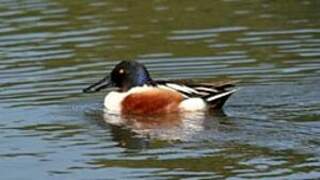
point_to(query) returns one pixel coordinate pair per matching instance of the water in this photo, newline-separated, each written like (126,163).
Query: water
(50,50)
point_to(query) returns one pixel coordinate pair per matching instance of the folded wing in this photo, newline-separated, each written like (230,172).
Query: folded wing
(214,94)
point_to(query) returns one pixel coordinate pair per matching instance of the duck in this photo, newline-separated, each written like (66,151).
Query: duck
(137,93)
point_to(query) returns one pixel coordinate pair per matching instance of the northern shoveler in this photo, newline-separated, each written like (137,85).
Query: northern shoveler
(139,94)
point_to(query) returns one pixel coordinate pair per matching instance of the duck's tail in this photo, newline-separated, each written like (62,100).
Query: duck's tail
(217,100)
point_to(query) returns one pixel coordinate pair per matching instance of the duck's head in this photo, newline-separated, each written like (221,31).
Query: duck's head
(125,75)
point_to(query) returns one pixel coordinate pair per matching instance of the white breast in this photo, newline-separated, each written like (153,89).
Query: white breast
(113,100)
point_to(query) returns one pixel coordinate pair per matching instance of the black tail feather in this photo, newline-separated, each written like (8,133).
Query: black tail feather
(218,103)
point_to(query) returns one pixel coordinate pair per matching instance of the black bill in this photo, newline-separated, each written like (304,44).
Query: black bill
(102,84)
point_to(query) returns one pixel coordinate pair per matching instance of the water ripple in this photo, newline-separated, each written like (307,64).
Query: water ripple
(51,50)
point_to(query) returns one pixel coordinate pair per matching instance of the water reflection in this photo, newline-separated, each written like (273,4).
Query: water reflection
(170,127)
(50,50)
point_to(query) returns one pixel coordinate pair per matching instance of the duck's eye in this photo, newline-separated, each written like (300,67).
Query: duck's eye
(121,71)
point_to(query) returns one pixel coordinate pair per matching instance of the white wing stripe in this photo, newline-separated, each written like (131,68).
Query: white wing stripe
(220,95)
(171,89)
(186,89)
(181,88)
(206,89)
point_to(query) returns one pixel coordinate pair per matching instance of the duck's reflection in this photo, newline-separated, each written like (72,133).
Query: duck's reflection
(131,130)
